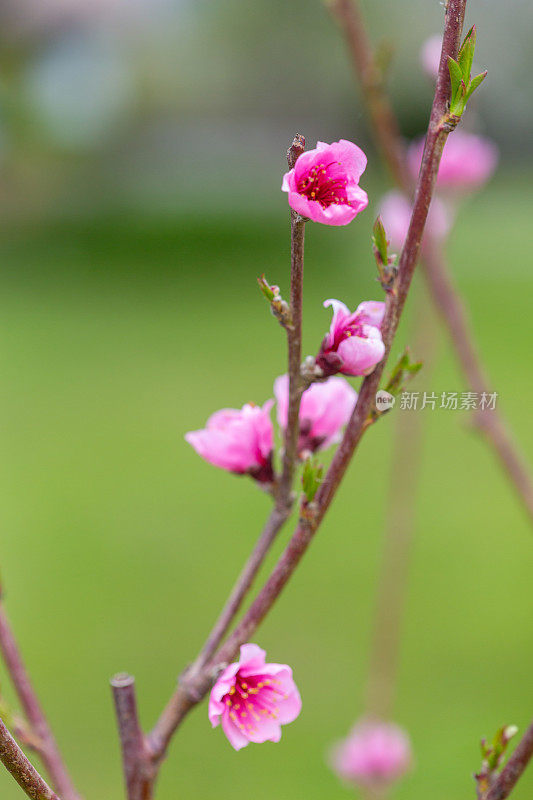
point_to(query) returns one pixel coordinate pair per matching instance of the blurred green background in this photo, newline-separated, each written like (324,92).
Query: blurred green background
(140,200)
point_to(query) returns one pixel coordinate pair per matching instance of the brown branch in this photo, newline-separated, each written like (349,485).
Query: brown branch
(190,692)
(275,522)
(43,738)
(21,769)
(350,19)
(397,540)
(489,421)
(283,490)
(157,741)
(510,774)
(442,290)
(137,764)
(294,338)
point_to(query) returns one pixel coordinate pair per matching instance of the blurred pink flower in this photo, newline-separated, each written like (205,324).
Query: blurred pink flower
(468,161)
(373,754)
(430,55)
(395,211)
(353,345)
(239,440)
(324,410)
(253,699)
(324,184)
(33,15)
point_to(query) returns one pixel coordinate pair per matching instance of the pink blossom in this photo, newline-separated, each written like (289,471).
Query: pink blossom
(395,211)
(324,184)
(239,440)
(430,55)
(253,699)
(373,754)
(353,345)
(324,410)
(468,161)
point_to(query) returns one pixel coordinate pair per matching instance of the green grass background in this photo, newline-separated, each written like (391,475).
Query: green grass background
(118,544)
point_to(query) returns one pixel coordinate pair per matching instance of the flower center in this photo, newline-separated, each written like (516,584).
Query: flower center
(353,328)
(252,699)
(317,185)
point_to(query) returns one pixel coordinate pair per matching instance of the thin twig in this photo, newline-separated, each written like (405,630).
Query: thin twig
(139,773)
(21,769)
(441,287)
(189,693)
(510,774)
(42,734)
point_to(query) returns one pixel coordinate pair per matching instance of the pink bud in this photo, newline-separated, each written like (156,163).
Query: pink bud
(353,345)
(324,184)
(468,161)
(373,754)
(253,699)
(395,211)
(238,440)
(324,410)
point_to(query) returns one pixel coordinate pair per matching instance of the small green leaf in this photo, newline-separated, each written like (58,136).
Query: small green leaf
(466,53)
(456,75)
(311,478)
(268,290)
(402,372)
(379,240)
(474,83)
(458,102)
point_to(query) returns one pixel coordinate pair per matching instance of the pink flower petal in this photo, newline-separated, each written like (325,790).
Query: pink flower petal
(252,657)
(371,312)
(360,355)
(268,731)
(235,737)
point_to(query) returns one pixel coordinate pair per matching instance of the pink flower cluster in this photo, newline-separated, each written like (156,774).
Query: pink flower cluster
(324,184)
(252,699)
(242,440)
(374,754)
(468,161)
